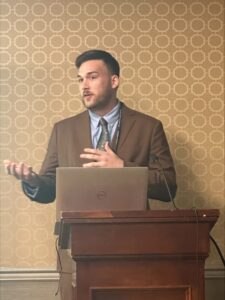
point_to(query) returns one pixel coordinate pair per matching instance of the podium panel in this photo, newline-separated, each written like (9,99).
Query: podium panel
(144,293)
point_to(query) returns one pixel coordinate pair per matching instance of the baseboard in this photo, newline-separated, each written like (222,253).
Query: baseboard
(16,274)
(215,273)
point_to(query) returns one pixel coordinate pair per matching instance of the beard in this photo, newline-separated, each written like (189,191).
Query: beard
(99,103)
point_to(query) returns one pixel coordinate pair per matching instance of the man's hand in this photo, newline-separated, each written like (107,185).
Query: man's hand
(21,171)
(102,159)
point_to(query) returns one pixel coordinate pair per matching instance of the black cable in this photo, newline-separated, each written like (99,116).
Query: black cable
(60,266)
(167,187)
(212,239)
(197,249)
(218,249)
(155,159)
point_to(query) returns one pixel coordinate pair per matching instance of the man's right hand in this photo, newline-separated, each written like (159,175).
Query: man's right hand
(21,171)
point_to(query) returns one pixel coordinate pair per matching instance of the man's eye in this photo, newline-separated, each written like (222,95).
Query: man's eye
(80,80)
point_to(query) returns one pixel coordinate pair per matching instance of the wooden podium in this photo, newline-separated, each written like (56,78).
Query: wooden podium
(141,255)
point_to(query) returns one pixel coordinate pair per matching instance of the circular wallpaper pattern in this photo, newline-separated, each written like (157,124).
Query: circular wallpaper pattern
(171,54)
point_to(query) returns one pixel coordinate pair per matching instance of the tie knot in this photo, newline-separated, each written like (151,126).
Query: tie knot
(103,123)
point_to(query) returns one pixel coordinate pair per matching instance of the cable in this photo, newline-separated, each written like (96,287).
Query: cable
(155,158)
(167,187)
(197,248)
(213,240)
(218,249)
(60,266)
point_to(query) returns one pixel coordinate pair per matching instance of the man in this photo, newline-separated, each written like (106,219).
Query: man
(135,139)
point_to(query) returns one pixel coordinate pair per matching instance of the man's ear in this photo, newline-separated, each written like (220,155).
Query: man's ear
(115,81)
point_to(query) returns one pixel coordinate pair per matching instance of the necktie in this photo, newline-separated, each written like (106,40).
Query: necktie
(104,137)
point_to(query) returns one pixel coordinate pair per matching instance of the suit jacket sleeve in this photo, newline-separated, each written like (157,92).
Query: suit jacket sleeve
(45,191)
(160,148)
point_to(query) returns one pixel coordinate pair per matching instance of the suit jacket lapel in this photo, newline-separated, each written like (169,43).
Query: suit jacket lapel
(127,122)
(85,131)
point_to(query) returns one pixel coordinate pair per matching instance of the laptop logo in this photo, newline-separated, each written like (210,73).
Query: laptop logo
(101,195)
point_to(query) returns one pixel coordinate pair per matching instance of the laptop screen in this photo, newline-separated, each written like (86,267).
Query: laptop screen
(88,189)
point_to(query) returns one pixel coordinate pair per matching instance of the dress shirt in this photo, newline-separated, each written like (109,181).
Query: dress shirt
(112,119)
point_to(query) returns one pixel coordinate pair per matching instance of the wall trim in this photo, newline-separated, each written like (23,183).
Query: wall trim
(215,273)
(19,274)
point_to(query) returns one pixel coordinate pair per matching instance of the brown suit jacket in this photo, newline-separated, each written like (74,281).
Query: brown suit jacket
(141,137)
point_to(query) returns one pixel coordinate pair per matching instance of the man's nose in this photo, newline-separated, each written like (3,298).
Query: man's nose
(85,84)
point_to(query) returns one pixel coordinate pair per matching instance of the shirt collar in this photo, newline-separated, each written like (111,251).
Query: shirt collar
(111,117)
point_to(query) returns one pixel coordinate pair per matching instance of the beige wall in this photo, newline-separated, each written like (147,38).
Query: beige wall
(172,59)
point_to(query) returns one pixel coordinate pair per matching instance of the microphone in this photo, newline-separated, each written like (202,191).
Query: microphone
(155,158)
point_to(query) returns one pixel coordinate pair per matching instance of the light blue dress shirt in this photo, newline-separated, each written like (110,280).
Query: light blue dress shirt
(112,118)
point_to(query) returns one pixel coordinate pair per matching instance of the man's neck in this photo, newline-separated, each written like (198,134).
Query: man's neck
(103,111)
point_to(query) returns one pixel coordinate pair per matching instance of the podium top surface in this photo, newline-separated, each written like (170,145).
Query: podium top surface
(143,231)
(152,216)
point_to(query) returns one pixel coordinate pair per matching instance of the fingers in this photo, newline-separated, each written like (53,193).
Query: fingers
(13,169)
(19,170)
(23,171)
(92,154)
(101,159)
(93,164)
(107,148)
(96,157)
(93,151)
(6,163)
(10,167)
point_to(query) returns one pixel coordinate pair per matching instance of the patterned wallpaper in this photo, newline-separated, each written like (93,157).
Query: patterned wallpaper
(172,59)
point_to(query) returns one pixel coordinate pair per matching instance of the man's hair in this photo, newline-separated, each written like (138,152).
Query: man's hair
(106,57)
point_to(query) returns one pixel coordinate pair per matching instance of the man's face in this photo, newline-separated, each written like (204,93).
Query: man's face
(97,85)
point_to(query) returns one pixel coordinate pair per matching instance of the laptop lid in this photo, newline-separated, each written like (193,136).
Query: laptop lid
(80,189)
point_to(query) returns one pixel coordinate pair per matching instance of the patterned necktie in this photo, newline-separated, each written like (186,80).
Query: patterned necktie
(104,137)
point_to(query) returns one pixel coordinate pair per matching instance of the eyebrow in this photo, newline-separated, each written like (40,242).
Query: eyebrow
(88,74)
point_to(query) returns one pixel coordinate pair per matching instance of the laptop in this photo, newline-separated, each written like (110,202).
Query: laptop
(94,189)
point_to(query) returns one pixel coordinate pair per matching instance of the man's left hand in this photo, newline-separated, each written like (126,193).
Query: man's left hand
(102,159)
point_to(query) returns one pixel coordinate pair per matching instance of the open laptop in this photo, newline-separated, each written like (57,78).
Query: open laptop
(92,189)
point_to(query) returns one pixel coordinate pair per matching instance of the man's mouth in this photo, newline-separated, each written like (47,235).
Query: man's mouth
(86,94)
